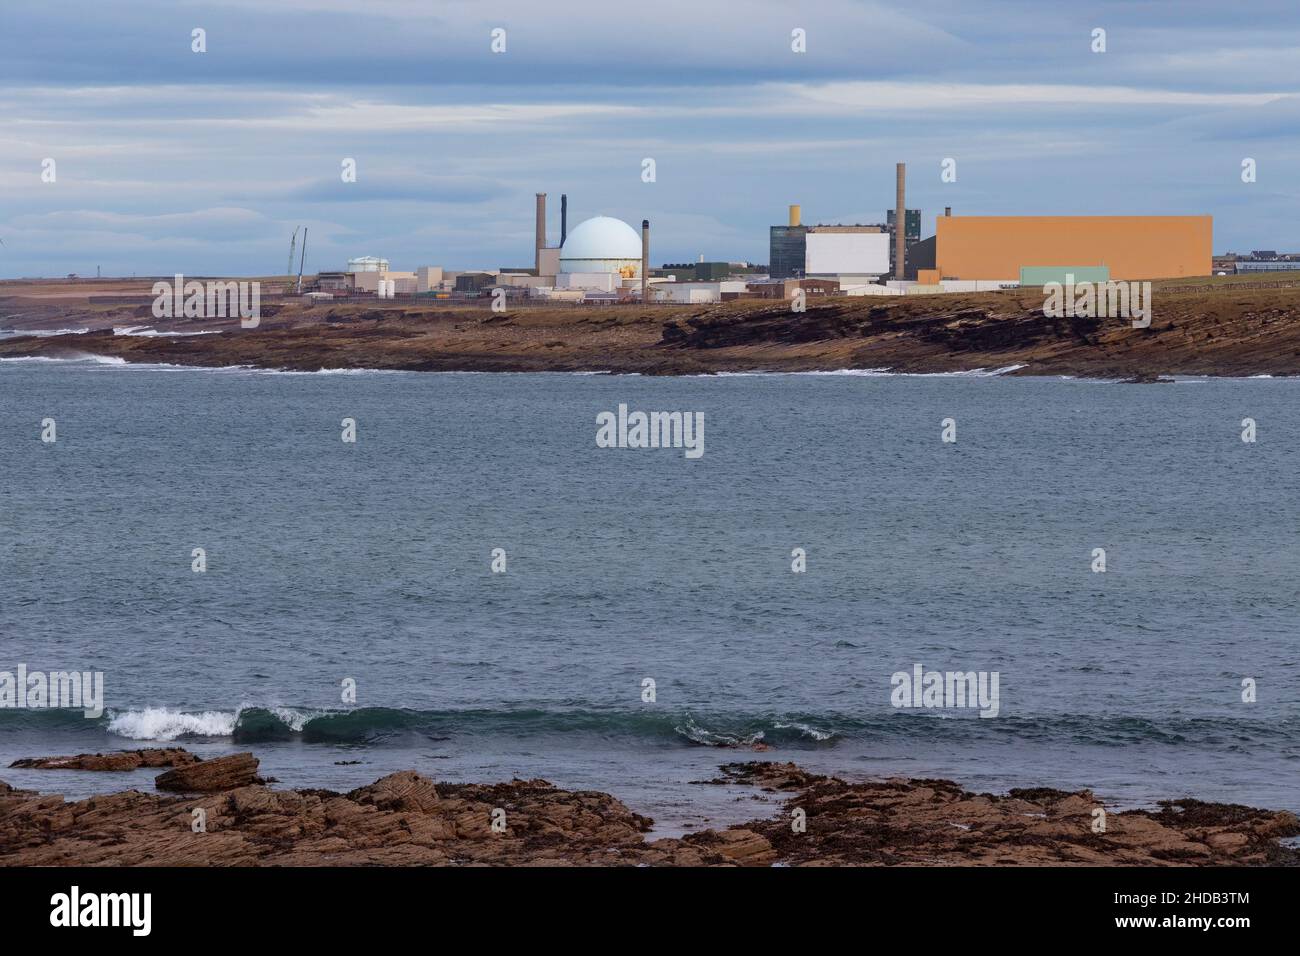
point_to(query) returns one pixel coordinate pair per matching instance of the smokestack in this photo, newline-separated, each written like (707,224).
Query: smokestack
(900,228)
(794,214)
(564,217)
(541,232)
(645,259)
(947,211)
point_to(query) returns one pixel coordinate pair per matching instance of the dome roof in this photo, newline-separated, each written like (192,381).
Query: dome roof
(602,237)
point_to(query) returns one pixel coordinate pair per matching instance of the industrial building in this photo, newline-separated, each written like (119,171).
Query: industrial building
(787,248)
(847,253)
(996,248)
(604,259)
(697,292)
(602,244)
(978,253)
(1260,260)
(706,271)
(851,254)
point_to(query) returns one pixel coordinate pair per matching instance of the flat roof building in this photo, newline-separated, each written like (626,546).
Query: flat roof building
(1132,247)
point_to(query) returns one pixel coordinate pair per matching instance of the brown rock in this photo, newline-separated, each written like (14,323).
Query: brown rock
(1207,326)
(404,819)
(221,773)
(118,760)
(406,790)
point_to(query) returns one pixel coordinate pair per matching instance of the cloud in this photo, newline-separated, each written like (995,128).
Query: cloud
(376,187)
(206,162)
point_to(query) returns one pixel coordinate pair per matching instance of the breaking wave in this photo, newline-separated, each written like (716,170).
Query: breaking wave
(652,727)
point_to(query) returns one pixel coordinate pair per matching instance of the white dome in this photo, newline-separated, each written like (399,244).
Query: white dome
(600,244)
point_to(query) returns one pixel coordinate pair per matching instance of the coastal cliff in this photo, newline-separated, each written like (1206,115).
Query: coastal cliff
(1199,327)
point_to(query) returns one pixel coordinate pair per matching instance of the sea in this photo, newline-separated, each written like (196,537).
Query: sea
(477,590)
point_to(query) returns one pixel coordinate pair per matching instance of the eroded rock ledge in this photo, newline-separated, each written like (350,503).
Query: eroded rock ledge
(406,819)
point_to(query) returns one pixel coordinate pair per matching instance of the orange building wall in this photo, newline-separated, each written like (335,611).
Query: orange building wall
(1134,247)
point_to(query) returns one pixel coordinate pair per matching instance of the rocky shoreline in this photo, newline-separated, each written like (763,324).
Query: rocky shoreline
(1219,327)
(227,816)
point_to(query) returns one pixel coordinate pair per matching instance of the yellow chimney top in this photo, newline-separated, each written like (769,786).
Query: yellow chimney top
(794,214)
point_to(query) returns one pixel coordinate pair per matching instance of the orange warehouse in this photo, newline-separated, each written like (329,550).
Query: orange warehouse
(1132,247)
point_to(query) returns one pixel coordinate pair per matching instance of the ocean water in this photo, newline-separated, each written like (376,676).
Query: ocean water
(371,561)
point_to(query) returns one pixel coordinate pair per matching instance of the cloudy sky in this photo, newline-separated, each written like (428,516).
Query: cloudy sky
(170,161)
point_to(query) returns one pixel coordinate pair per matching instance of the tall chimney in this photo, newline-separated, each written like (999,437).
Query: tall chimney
(541,232)
(900,227)
(794,214)
(564,217)
(947,211)
(645,259)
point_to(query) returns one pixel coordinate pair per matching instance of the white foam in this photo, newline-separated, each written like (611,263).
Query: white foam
(872,373)
(39,333)
(144,331)
(805,729)
(293,718)
(67,359)
(159,723)
(336,371)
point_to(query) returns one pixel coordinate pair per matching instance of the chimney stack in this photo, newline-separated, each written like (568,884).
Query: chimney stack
(900,225)
(541,232)
(947,211)
(645,260)
(564,217)
(795,212)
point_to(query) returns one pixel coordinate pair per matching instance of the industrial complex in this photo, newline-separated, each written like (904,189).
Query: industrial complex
(606,260)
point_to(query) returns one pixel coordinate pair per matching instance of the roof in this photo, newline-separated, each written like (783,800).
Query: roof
(601,237)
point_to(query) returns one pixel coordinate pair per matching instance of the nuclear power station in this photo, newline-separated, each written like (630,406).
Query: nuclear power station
(604,260)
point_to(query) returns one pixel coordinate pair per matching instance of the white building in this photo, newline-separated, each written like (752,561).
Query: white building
(602,244)
(695,292)
(595,281)
(854,254)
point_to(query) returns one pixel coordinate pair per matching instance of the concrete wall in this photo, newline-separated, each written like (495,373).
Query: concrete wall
(428,278)
(852,253)
(369,281)
(1042,275)
(869,289)
(550,262)
(599,281)
(1133,247)
(973,285)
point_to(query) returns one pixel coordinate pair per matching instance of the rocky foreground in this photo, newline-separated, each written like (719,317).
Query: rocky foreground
(1234,325)
(405,819)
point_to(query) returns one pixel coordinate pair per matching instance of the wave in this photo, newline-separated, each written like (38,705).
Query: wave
(84,358)
(870,373)
(39,333)
(653,726)
(68,359)
(145,331)
(159,723)
(375,725)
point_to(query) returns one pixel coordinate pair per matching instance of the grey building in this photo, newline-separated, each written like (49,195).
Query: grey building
(787,251)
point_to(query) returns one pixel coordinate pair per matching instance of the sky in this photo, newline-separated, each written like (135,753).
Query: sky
(168,160)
